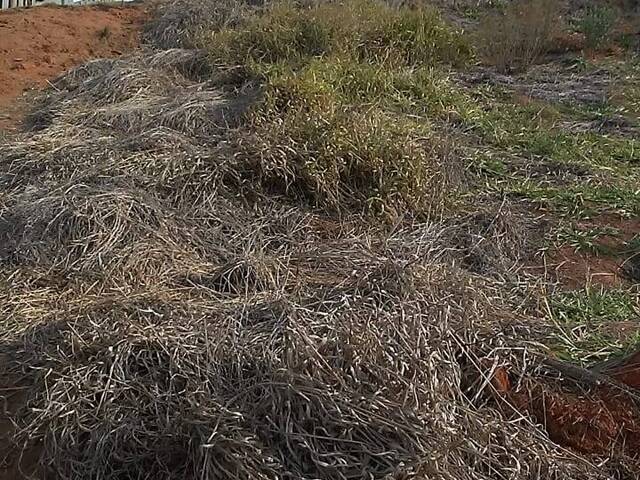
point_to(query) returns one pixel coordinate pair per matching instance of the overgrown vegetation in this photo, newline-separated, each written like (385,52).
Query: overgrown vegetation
(514,37)
(304,249)
(343,83)
(596,24)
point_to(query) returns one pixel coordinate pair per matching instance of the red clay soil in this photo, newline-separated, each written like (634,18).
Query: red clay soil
(577,269)
(37,44)
(598,420)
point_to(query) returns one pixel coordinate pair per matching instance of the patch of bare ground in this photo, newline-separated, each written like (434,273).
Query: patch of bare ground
(40,43)
(586,411)
(610,261)
(550,82)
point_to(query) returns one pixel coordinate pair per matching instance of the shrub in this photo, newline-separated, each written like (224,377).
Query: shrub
(596,25)
(515,37)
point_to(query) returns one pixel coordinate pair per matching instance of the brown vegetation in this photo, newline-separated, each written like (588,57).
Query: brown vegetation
(285,254)
(516,37)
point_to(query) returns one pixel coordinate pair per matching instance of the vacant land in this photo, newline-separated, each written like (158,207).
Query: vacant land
(331,241)
(39,44)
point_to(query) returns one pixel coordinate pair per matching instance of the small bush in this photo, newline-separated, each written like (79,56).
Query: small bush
(104,33)
(515,37)
(596,25)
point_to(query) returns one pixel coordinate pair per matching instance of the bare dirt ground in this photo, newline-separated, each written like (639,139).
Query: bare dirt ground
(37,44)
(613,266)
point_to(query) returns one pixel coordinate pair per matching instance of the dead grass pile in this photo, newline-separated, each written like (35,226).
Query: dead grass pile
(172,317)
(490,241)
(176,24)
(360,376)
(138,94)
(110,229)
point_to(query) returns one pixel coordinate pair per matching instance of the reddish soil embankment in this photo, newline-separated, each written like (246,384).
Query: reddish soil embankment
(37,44)
(586,414)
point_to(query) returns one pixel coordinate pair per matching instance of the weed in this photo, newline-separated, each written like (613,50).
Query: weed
(343,84)
(590,324)
(587,240)
(596,25)
(104,33)
(513,38)
(581,200)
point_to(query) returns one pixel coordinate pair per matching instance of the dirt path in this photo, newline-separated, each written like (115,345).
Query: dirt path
(37,44)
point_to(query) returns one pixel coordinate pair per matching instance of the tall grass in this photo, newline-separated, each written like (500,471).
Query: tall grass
(515,37)
(365,30)
(343,85)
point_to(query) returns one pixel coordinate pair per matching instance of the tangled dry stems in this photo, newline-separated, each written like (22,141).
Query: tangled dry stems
(174,319)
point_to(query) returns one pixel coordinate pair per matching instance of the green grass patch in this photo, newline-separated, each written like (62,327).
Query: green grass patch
(588,240)
(536,130)
(581,200)
(595,325)
(365,31)
(351,92)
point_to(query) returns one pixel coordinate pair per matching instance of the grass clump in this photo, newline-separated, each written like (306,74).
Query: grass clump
(594,324)
(366,31)
(596,25)
(581,200)
(514,37)
(343,87)
(308,144)
(588,240)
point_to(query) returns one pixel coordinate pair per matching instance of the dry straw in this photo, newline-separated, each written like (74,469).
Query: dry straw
(171,319)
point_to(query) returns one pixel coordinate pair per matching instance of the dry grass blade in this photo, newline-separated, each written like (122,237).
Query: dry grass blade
(177,312)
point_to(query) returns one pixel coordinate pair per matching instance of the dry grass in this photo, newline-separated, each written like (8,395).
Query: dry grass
(515,37)
(173,317)
(176,24)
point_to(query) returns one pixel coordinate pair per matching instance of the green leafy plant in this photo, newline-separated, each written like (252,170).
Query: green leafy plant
(596,25)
